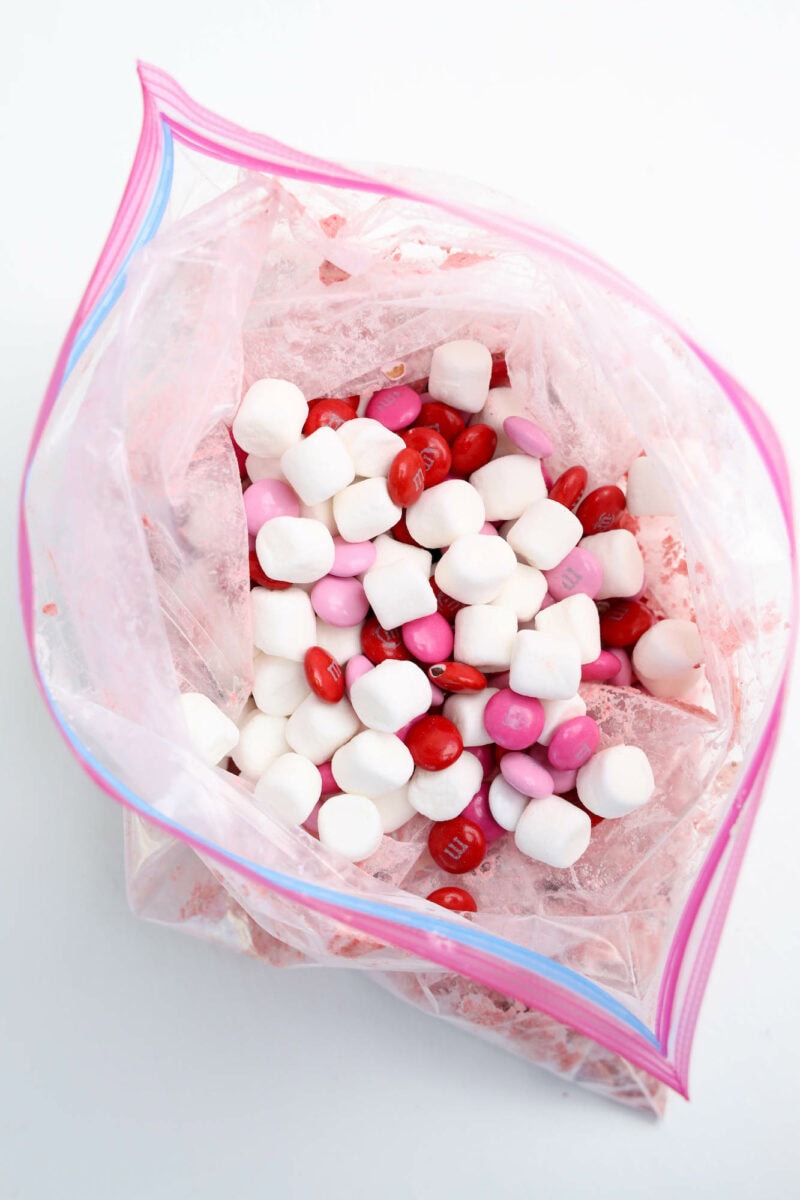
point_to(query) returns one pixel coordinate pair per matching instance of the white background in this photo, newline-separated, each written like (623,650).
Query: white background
(137,1063)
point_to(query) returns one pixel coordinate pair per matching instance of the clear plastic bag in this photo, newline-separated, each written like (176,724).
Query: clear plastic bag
(233,257)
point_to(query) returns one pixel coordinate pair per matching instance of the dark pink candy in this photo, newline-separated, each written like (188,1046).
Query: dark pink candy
(573,743)
(485,756)
(478,812)
(563,781)
(604,667)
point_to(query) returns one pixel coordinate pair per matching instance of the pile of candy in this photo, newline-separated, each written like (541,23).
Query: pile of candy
(426,603)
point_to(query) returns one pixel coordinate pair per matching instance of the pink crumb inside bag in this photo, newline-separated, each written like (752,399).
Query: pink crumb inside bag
(234,258)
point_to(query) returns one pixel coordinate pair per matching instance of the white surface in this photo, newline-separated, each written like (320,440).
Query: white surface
(137,1063)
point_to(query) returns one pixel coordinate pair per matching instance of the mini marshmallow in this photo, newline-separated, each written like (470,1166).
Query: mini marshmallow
(576,617)
(645,494)
(545,534)
(466,710)
(395,809)
(389,550)
(616,781)
(371,446)
(509,485)
(445,512)
(668,658)
(556,712)
(441,795)
(619,555)
(322,512)
(212,735)
(262,739)
(484,636)
(350,826)
(279,684)
(390,695)
(296,549)
(372,764)
(500,404)
(523,592)
(553,831)
(460,373)
(289,788)
(270,418)
(342,642)
(319,466)
(364,509)
(317,728)
(506,804)
(475,569)
(283,622)
(258,468)
(544,665)
(398,593)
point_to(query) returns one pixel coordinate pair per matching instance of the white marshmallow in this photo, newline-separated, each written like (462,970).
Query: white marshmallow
(506,804)
(389,550)
(296,549)
(398,593)
(576,617)
(646,495)
(270,418)
(322,512)
(262,468)
(545,533)
(440,795)
(390,695)
(341,641)
(395,809)
(553,831)
(545,665)
(350,826)
(668,658)
(500,404)
(371,446)
(460,374)
(616,781)
(509,485)
(279,684)
(484,636)
(283,622)
(317,729)
(364,509)
(619,555)
(372,764)
(556,712)
(523,592)
(289,788)
(475,568)
(212,735)
(319,466)
(466,711)
(445,512)
(262,739)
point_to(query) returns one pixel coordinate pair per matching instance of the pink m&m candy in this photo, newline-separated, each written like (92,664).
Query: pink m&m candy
(351,558)
(357,666)
(604,667)
(513,721)
(580,571)
(528,437)
(329,784)
(395,407)
(573,743)
(266,499)
(341,602)
(429,639)
(479,813)
(624,676)
(526,775)
(488,530)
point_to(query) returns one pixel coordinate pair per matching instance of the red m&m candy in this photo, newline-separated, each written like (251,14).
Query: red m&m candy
(434,743)
(259,576)
(457,677)
(568,488)
(624,622)
(434,452)
(473,448)
(328,412)
(440,417)
(601,509)
(379,644)
(457,845)
(406,479)
(325,676)
(454,898)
